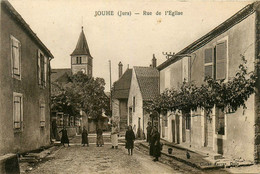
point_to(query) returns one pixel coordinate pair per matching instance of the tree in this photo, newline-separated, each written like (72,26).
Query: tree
(81,93)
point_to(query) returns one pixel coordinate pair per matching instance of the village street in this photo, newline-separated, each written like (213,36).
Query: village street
(92,159)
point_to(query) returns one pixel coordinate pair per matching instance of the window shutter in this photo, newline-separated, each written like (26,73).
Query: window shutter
(17,112)
(208,63)
(42,115)
(39,68)
(221,60)
(16,56)
(45,70)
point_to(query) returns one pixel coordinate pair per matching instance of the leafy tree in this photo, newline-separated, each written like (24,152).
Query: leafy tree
(81,92)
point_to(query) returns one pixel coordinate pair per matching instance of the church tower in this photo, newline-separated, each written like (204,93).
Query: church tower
(81,60)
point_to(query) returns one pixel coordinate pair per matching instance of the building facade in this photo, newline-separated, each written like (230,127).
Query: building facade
(217,54)
(119,99)
(144,88)
(24,85)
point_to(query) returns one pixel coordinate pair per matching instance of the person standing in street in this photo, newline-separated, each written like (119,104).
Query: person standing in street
(84,136)
(100,141)
(64,137)
(148,130)
(130,137)
(114,135)
(155,144)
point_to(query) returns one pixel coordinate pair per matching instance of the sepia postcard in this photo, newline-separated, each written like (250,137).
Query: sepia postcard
(131,86)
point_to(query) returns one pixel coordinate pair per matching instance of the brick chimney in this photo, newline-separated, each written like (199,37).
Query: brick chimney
(154,61)
(120,69)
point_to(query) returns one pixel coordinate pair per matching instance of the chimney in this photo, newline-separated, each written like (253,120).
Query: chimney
(154,61)
(120,69)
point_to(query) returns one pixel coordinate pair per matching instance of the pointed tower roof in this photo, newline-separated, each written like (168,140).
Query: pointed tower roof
(82,46)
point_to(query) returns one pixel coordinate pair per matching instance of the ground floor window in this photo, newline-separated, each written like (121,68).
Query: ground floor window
(187,120)
(220,122)
(42,115)
(17,111)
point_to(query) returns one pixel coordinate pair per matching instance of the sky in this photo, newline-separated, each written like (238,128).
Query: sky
(130,39)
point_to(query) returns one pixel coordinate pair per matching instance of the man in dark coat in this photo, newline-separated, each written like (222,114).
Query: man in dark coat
(64,137)
(84,137)
(149,130)
(155,144)
(129,137)
(100,141)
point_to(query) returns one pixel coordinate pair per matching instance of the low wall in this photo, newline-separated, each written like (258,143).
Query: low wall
(9,164)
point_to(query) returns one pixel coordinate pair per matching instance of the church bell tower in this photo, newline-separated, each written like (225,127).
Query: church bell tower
(81,60)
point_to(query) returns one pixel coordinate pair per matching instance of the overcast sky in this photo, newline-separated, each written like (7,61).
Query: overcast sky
(129,39)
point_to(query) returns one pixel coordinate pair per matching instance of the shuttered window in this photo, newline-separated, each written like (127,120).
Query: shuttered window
(42,69)
(45,70)
(16,57)
(209,63)
(133,104)
(221,60)
(17,111)
(42,115)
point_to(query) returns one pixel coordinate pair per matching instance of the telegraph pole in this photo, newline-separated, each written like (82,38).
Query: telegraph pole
(110,86)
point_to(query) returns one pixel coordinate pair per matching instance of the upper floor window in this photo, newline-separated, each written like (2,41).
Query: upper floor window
(215,61)
(42,68)
(16,58)
(17,111)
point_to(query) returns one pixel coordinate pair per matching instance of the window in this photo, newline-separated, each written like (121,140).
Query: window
(221,60)
(215,61)
(187,120)
(133,104)
(42,115)
(220,122)
(17,111)
(165,119)
(208,63)
(78,60)
(16,58)
(42,69)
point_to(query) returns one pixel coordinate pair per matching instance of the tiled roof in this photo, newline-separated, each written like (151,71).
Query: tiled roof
(148,80)
(223,27)
(82,46)
(60,75)
(23,24)
(121,86)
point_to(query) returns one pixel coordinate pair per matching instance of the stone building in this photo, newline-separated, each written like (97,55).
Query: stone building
(24,85)
(144,88)
(120,95)
(217,54)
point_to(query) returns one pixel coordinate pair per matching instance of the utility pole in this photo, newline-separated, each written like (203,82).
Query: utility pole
(110,86)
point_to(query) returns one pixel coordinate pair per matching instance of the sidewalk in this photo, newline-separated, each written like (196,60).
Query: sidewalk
(198,160)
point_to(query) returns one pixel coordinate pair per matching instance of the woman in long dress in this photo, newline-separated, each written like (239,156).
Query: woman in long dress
(100,141)
(114,136)
(130,137)
(84,137)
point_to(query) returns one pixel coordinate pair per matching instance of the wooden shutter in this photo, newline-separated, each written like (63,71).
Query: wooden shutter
(45,70)
(17,112)
(42,115)
(208,63)
(39,68)
(16,47)
(221,60)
